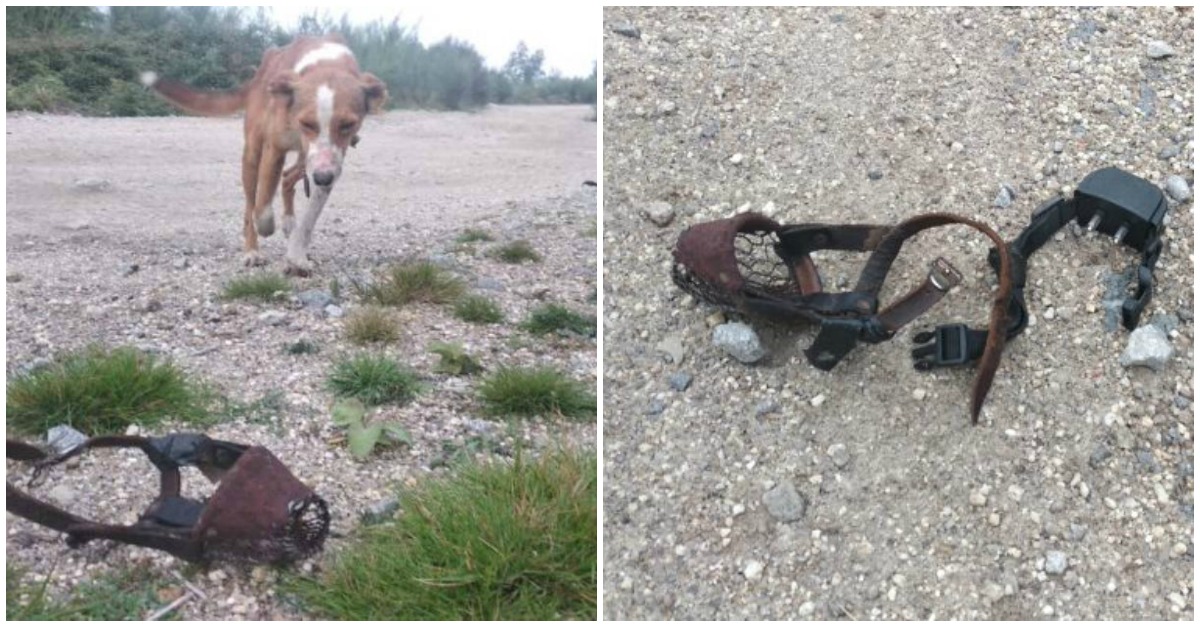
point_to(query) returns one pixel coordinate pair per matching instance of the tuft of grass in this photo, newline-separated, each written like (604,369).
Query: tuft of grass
(478,309)
(454,359)
(302,347)
(127,595)
(100,391)
(516,252)
(264,287)
(474,235)
(374,380)
(416,281)
(493,542)
(371,325)
(552,318)
(535,392)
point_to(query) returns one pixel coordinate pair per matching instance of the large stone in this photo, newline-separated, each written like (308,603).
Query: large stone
(740,341)
(784,502)
(1148,347)
(64,438)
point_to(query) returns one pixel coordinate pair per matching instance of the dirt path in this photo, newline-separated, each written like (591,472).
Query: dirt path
(89,199)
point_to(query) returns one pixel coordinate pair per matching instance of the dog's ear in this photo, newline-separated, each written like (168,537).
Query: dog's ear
(375,92)
(283,84)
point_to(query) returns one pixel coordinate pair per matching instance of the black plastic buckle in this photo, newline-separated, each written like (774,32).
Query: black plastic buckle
(947,345)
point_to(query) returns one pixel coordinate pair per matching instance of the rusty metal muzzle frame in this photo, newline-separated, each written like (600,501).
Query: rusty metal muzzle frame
(259,513)
(729,263)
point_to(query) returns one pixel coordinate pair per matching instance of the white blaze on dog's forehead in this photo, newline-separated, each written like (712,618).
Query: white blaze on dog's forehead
(327,52)
(325,109)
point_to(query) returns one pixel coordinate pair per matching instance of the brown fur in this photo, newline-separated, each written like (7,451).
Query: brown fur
(282,116)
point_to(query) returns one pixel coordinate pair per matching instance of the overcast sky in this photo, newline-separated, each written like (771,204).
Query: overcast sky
(568,33)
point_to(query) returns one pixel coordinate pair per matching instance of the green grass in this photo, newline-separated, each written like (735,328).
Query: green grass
(263,287)
(128,595)
(371,325)
(516,252)
(478,309)
(493,542)
(536,392)
(474,235)
(374,380)
(553,318)
(416,281)
(100,391)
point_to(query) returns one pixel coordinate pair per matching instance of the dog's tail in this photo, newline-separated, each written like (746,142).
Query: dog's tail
(200,102)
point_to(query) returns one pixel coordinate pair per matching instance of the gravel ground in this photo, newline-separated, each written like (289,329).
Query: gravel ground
(775,490)
(89,199)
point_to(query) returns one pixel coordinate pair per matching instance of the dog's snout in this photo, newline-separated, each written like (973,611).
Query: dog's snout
(324,179)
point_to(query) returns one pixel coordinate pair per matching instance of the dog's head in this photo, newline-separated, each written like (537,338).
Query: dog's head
(327,107)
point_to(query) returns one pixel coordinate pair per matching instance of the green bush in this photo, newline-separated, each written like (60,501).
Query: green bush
(535,392)
(478,309)
(101,391)
(374,380)
(416,281)
(263,287)
(552,318)
(371,325)
(493,542)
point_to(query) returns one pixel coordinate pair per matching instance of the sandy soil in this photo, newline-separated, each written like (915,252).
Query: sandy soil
(1073,497)
(87,199)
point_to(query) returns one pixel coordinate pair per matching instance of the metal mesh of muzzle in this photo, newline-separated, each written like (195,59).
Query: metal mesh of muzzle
(762,272)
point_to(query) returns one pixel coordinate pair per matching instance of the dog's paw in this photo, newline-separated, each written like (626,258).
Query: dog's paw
(265,223)
(289,222)
(299,268)
(253,258)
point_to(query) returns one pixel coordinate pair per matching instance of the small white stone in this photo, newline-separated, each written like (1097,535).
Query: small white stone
(738,509)
(817,400)
(626,583)
(752,570)
(1049,314)
(737,158)
(919,394)
(807,608)
(978,499)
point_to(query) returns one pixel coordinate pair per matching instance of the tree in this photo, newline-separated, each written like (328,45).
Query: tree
(524,66)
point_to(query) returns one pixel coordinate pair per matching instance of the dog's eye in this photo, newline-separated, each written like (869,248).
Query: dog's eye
(347,127)
(309,126)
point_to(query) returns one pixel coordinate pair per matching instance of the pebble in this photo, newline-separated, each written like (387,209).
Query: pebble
(62,495)
(784,502)
(315,299)
(333,311)
(874,174)
(1056,562)
(1059,146)
(666,108)
(768,406)
(660,213)
(1148,348)
(807,608)
(273,318)
(753,570)
(627,29)
(817,400)
(1159,50)
(1177,187)
(680,381)
(129,269)
(180,264)
(740,341)
(839,454)
(655,407)
(92,184)
(63,438)
(1005,196)
(919,394)
(671,346)
(1077,532)
(977,499)
(737,158)
(1177,600)
(1170,152)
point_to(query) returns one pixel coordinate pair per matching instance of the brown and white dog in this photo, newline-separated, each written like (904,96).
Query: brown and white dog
(308,97)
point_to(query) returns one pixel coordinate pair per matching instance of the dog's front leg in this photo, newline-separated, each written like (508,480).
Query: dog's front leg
(301,236)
